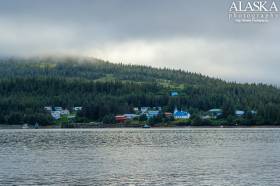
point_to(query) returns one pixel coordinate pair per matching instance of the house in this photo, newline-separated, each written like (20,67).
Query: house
(214,113)
(130,116)
(77,108)
(144,109)
(58,108)
(206,117)
(64,112)
(168,114)
(152,113)
(174,93)
(156,108)
(239,113)
(48,108)
(135,109)
(71,116)
(181,114)
(120,118)
(55,114)
(253,112)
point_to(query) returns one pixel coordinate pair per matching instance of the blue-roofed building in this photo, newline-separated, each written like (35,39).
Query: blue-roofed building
(174,93)
(181,114)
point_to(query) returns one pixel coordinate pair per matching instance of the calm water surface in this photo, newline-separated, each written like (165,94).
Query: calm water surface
(140,157)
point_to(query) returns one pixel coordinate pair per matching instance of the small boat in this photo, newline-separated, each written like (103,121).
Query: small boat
(146,126)
(25,126)
(36,126)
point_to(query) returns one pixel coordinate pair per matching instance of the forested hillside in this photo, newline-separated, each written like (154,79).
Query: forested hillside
(103,88)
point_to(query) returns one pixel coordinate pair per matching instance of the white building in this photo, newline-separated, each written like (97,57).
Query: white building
(144,109)
(58,108)
(48,108)
(239,113)
(64,112)
(131,116)
(56,114)
(77,108)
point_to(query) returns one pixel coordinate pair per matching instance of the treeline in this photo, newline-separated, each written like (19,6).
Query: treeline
(104,89)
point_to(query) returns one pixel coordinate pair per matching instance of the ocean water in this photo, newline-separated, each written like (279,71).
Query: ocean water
(179,156)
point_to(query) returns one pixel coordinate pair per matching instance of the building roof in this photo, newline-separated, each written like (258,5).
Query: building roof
(152,112)
(215,110)
(174,93)
(181,113)
(239,112)
(253,111)
(168,113)
(120,116)
(131,115)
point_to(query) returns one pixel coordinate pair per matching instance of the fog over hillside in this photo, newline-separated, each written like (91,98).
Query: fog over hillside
(190,35)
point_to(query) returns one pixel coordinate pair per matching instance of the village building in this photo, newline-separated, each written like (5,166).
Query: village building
(136,109)
(168,114)
(56,114)
(174,93)
(253,112)
(156,108)
(152,113)
(131,116)
(206,117)
(77,108)
(239,113)
(58,108)
(144,109)
(48,108)
(64,112)
(120,118)
(181,114)
(214,113)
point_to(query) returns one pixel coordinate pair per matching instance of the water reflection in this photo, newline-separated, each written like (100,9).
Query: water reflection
(140,156)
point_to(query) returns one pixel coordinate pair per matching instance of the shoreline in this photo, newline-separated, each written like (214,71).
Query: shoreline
(156,127)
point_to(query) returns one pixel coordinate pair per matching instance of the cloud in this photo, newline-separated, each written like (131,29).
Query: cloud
(191,35)
(230,59)
(33,38)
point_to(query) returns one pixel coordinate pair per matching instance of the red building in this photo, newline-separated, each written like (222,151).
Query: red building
(120,118)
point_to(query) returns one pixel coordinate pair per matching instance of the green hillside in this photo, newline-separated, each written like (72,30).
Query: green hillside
(105,89)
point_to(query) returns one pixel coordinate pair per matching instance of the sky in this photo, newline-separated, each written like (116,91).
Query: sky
(191,35)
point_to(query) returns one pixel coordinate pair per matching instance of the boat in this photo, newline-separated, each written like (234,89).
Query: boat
(146,126)
(36,126)
(25,126)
